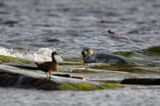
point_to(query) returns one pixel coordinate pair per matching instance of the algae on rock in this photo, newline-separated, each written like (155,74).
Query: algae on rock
(88,87)
(4,59)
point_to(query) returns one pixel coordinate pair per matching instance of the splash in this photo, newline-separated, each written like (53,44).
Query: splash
(42,54)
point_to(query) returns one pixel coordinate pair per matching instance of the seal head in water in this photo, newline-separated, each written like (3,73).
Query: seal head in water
(89,56)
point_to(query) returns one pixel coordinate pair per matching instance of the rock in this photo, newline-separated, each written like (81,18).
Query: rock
(141,81)
(38,83)
(8,79)
(20,78)
(21,81)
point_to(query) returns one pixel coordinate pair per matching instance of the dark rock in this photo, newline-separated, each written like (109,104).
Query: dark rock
(29,82)
(7,79)
(142,81)
(46,84)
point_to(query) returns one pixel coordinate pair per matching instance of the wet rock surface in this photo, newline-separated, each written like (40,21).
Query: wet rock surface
(141,81)
(20,78)
(8,79)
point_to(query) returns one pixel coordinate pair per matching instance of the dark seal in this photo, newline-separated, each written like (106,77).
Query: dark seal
(90,57)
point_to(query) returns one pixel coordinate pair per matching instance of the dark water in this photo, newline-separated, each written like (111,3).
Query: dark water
(70,25)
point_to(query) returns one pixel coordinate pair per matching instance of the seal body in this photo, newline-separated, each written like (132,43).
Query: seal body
(90,57)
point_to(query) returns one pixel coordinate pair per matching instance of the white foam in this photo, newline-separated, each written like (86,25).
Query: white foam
(42,54)
(4,51)
(58,58)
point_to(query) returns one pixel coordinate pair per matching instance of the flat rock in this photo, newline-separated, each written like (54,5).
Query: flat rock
(15,77)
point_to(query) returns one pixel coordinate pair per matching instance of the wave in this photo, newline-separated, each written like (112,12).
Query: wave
(42,54)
